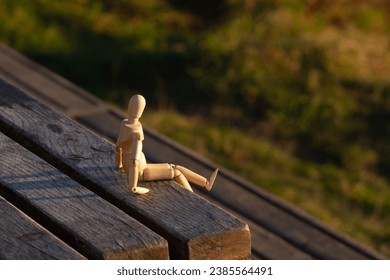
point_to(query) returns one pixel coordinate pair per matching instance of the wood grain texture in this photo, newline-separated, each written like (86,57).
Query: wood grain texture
(48,86)
(267,245)
(87,222)
(23,239)
(194,228)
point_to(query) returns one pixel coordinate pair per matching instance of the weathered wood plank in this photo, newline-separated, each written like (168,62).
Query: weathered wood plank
(84,220)
(103,123)
(267,245)
(194,227)
(48,86)
(23,239)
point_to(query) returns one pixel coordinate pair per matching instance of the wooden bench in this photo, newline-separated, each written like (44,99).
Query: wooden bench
(63,177)
(279,230)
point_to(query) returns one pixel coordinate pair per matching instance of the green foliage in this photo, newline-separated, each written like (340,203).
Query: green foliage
(306,79)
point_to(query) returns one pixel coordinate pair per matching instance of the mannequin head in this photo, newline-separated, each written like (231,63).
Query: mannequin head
(136,107)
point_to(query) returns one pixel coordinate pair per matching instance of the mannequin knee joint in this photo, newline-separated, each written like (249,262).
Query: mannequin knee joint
(176,172)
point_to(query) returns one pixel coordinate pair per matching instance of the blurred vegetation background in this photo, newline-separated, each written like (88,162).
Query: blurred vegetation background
(294,95)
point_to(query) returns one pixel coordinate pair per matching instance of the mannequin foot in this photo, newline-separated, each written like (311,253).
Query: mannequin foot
(209,184)
(139,190)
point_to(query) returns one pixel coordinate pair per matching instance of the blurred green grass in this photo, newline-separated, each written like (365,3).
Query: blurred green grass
(293,95)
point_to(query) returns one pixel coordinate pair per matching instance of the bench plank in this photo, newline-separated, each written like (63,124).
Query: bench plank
(22,238)
(267,245)
(81,218)
(48,86)
(194,228)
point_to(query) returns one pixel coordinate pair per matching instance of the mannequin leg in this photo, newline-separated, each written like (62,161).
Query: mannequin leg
(159,171)
(165,171)
(133,179)
(196,178)
(182,180)
(192,176)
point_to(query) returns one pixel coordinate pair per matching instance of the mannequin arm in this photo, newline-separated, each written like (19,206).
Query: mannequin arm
(118,157)
(133,176)
(118,146)
(136,151)
(136,148)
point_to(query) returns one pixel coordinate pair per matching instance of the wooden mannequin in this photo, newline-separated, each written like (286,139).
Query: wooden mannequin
(130,158)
